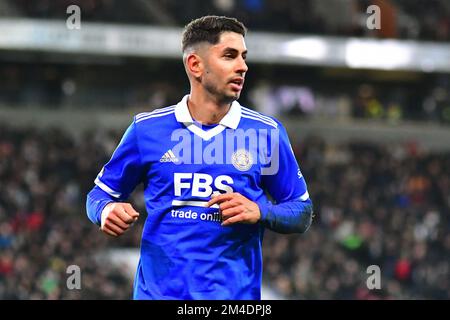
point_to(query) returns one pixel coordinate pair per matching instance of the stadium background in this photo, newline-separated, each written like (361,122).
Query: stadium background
(371,132)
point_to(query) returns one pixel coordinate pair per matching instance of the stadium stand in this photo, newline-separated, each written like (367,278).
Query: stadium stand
(382,203)
(405,19)
(300,92)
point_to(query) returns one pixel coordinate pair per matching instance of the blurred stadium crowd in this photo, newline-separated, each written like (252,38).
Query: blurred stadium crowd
(299,91)
(44,177)
(404,19)
(375,205)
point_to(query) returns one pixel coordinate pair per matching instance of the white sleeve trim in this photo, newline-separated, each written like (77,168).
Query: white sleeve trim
(305,196)
(107,189)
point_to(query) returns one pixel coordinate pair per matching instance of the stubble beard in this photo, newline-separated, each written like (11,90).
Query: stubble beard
(221,96)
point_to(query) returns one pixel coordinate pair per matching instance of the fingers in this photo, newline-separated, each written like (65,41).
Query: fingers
(234,219)
(117,218)
(229,204)
(220,198)
(114,229)
(108,231)
(130,210)
(235,207)
(124,216)
(118,221)
(228,213)
(125,212)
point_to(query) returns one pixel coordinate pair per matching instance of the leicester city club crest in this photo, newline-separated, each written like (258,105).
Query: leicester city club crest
(242,160)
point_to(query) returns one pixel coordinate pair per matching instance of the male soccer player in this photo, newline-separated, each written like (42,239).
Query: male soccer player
(207,164)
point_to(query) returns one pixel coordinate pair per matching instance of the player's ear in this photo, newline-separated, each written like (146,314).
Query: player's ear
(194,64)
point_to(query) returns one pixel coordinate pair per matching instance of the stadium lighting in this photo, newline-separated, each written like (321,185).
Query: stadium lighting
(388,55)
(311,48)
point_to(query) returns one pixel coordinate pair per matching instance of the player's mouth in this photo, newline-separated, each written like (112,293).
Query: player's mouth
(237,83)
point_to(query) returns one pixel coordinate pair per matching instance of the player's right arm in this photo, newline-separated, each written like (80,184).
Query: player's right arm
(114,218)
(106,203)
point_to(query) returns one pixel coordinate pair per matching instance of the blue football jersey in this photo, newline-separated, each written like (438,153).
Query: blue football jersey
(185,252)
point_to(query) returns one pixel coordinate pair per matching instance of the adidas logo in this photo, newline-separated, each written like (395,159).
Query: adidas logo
(168,157)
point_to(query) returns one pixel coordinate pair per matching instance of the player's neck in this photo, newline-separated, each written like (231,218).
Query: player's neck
(205,109)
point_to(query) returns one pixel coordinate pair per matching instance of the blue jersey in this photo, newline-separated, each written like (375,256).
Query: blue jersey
(185,251)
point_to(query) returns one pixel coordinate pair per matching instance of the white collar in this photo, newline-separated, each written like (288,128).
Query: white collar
(230,120)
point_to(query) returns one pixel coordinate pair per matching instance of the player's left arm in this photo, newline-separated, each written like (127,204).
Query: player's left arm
(293,208)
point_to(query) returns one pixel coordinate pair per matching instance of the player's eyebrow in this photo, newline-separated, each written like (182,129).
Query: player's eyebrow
(234,51)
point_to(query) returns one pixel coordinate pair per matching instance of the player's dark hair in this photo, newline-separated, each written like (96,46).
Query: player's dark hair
(209,28)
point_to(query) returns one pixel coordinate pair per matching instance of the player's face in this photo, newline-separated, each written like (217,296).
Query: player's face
(225,68)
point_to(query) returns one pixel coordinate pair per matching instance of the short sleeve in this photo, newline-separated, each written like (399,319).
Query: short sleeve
(123,172)
(282,178)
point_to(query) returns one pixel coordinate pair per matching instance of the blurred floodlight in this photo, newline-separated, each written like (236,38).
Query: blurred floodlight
(388,55)
(311,48)
(142,41)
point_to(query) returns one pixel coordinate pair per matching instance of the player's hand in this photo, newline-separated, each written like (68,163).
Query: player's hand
(236,208)
(117,217)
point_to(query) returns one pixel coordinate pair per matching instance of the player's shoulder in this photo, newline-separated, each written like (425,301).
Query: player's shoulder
(157,116)
(260,118)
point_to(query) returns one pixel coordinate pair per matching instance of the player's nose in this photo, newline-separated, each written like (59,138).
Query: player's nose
(242,67)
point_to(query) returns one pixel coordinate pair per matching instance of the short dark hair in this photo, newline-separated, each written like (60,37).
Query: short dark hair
(209,29)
